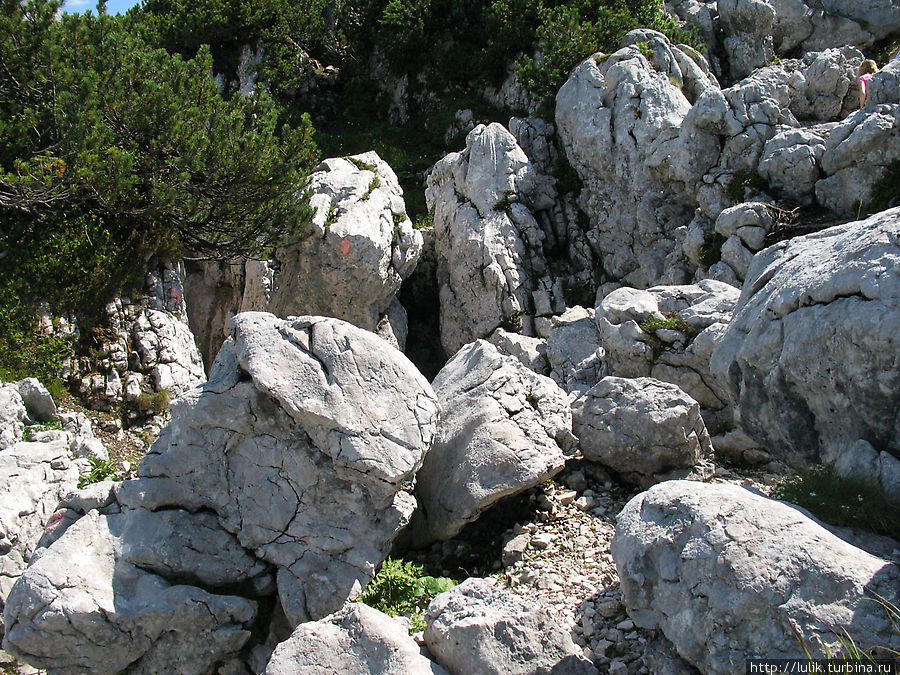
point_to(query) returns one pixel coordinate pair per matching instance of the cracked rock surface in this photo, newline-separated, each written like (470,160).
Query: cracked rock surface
(479,627)
(699,560)
(503,429)
(299,443)
(811,355)
(356,639)
(645,430)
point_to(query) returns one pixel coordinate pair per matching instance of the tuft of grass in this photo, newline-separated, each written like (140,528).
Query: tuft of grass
(841,501)
(376,183)
(400,588)
(672,321)
(885,191)
(156,402)
(100,470)
(424,221)
(332,216)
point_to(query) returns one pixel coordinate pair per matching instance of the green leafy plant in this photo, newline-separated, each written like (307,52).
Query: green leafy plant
(841,501)
(512,322)
(672,321)
(508,199)
(100,470)
(885,191)
(400,588)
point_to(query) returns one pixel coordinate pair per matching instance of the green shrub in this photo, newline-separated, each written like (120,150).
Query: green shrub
(361,165)
(100,470)
(841,501)
(743,181)
(399,588)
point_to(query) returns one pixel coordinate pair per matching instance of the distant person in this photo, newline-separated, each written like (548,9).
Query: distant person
(866,70)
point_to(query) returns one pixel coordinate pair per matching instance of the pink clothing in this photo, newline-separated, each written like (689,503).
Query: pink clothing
(863,81)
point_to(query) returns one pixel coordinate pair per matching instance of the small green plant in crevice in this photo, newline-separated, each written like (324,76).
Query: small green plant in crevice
(841,501)
(743,181)
(533,400)
(672,321)
(361,165)
(332,216)
(100,470)
(399,218)
(647,51)
(885,191)
(400,588)
(424,221)
(508,199)
(153,402)
(376,183)
(711,251)
(512,323)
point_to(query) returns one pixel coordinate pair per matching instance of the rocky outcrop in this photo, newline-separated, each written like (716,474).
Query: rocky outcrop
(356,639)
(141,345)
(810,356)
(283,473)
(618,117)
(492,269)
(669,333)
(697,560)
(359,247)
(747,34)
(645,430)
(478,627)
(503,428)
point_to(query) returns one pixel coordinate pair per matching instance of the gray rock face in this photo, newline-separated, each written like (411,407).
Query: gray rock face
(38,401)
(823,84)
(299,443)
(674,357)
(357,640)
(747,27)
(618,118)
(646,430)
(791,162)
(810,357)
(492,270)
(360,248)
(167,353)
(697,561)
(745,227)
(81,608)
(857,152)
(814,26)
(478,627)
(531,351)
(503,429)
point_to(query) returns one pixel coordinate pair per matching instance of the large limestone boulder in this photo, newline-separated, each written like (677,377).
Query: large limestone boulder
(82,607)
(492,270)
(645,430)
(618,117)
(810,356)
(503,429)
(698,315)
(477,627)
(728,574)
(300,443)
(575,350)
(360,247)
(747,34)
(355,640)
